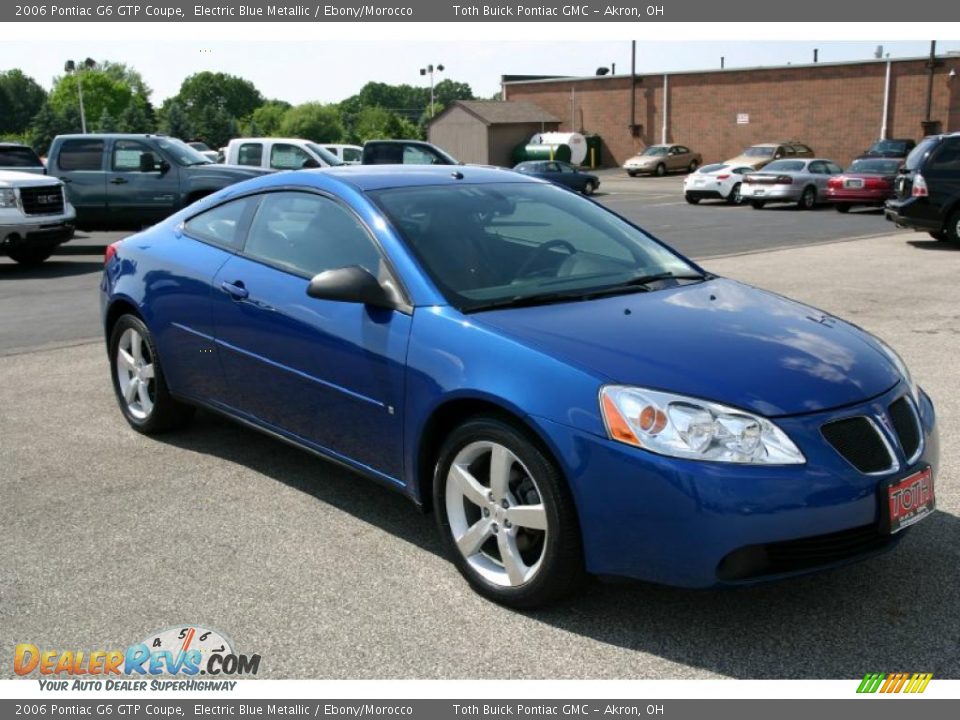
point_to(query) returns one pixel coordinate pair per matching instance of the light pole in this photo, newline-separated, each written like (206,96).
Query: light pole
(69,67)
(429,70)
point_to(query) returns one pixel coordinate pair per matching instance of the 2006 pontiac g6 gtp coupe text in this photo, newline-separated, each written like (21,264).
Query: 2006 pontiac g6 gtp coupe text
(566,393)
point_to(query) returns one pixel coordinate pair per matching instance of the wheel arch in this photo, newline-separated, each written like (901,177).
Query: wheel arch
(453,412)
(119,307)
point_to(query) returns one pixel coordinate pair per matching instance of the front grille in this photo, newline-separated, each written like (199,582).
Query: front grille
(42,200)
(905,423)
(858,440)
(792,556)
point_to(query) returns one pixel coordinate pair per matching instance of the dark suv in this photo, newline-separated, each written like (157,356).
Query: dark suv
(118,181)
(928,189)
(890,148)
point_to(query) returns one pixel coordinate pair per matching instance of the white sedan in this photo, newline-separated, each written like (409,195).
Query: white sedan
(715,182)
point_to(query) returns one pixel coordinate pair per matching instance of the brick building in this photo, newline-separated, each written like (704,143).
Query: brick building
(836,108)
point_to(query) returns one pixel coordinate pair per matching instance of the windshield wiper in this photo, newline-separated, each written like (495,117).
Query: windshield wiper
(634,284)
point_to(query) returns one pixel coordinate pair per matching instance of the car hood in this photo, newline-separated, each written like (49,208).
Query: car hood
(718,340)
(18,178)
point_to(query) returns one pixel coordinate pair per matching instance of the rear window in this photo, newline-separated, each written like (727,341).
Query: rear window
(919,153)
(874,167)
(19,157)
(81,155)
(716,167)
(785,166)
(250,154)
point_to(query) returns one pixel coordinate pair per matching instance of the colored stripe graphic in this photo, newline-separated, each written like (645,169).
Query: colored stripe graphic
(894,683)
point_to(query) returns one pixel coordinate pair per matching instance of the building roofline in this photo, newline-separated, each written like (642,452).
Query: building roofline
(795,66)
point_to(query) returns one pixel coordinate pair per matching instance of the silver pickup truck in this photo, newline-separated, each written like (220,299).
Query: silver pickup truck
(35,215)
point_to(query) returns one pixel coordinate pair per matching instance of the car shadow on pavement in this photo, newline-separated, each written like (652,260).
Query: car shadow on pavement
(49,269)
(931,244)
(896,612)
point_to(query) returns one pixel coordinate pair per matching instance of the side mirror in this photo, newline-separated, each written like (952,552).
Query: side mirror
(352,284)
(147,163)
(309,164)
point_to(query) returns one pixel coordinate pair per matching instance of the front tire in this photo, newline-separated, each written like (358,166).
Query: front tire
(138,380)
(29,256)
(661,170)
(589,188)
(506,516)
(693,166)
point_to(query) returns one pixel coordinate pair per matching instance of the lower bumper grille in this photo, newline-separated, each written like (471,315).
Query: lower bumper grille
(755,561)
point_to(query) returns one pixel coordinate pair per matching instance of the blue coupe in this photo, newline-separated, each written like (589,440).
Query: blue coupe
(566,393)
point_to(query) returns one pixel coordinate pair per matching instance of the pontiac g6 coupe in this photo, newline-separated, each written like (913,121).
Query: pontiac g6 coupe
(566,393)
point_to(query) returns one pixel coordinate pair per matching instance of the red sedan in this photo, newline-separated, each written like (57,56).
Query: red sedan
(867,182)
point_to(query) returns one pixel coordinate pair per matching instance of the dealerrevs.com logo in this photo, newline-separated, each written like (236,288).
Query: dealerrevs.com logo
(184,653)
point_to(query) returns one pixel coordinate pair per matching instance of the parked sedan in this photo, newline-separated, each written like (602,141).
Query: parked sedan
(891,148)
(565,392)
(661,159)
(758,156)
(869,181)
(803,182)
(715,182)
(560,173)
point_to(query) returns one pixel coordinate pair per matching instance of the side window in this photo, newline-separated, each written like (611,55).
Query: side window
(306,234)
(128,157)
(834,169)
(551,167)
(222,225)
(250,154)
(351,155)
(946,159)
(803,149)
(818,168)
(683,150)
(81,155)
(287,157)
(416,156)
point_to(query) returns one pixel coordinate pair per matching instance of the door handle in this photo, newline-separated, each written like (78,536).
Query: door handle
(118,181)
(236,290)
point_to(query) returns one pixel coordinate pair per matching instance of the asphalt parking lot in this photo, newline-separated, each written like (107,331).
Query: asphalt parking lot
(106,535)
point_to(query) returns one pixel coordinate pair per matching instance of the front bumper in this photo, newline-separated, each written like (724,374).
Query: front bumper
(679,522)
(48,231)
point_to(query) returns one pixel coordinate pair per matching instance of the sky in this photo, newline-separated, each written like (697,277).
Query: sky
(330,70)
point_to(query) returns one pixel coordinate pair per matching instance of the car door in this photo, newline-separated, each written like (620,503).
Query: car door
(942,173)
(79,163)
(142,187)
(820,175)
(324,372)
(679,158)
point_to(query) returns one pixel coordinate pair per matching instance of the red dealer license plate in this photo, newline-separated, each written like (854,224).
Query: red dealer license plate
(909,500)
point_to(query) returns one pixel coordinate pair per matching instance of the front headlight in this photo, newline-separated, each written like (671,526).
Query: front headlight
(686,427)
(8,199)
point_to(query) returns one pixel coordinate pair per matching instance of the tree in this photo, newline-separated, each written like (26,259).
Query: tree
(100,92)
(174,121)
(313,121)
(447,91)
(21,97)
(106,123)
(377,123)
(234,95)
(134,118)
(267,118)
(48,123)
(213,125)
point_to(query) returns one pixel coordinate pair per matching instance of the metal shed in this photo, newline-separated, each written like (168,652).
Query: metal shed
(487,131)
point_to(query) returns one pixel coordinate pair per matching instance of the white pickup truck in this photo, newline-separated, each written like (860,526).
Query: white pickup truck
(35,216)
(278,154)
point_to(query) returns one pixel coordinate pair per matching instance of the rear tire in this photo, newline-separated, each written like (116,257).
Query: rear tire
(589,188)
(952,229)
(842,208)
(526,562)
(941,236)
(757,204)
(808,199)
(691,199)
(735,198)
(632,173)
(661,170)
(693,166)
(29,256)
(138,381)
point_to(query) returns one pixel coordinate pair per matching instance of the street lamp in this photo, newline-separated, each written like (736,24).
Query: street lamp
(70,66)
(429,70)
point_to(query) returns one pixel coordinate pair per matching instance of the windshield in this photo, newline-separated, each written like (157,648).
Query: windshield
(487,243)
(758,151)
(197,145)
(182,153)
(874,167)
(889,146)
(919,153)
(785,166)
(656,150)
(328,157)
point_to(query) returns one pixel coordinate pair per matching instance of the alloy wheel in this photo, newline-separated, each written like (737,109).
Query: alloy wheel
(496,513)
(135,374)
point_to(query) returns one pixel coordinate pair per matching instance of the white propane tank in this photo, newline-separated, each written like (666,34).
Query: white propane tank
(575,141)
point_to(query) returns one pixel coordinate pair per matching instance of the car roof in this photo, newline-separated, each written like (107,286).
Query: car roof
(379,177)
(120,136)
(14,144)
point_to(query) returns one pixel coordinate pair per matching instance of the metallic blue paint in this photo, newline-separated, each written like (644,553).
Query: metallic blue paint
(360,385)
